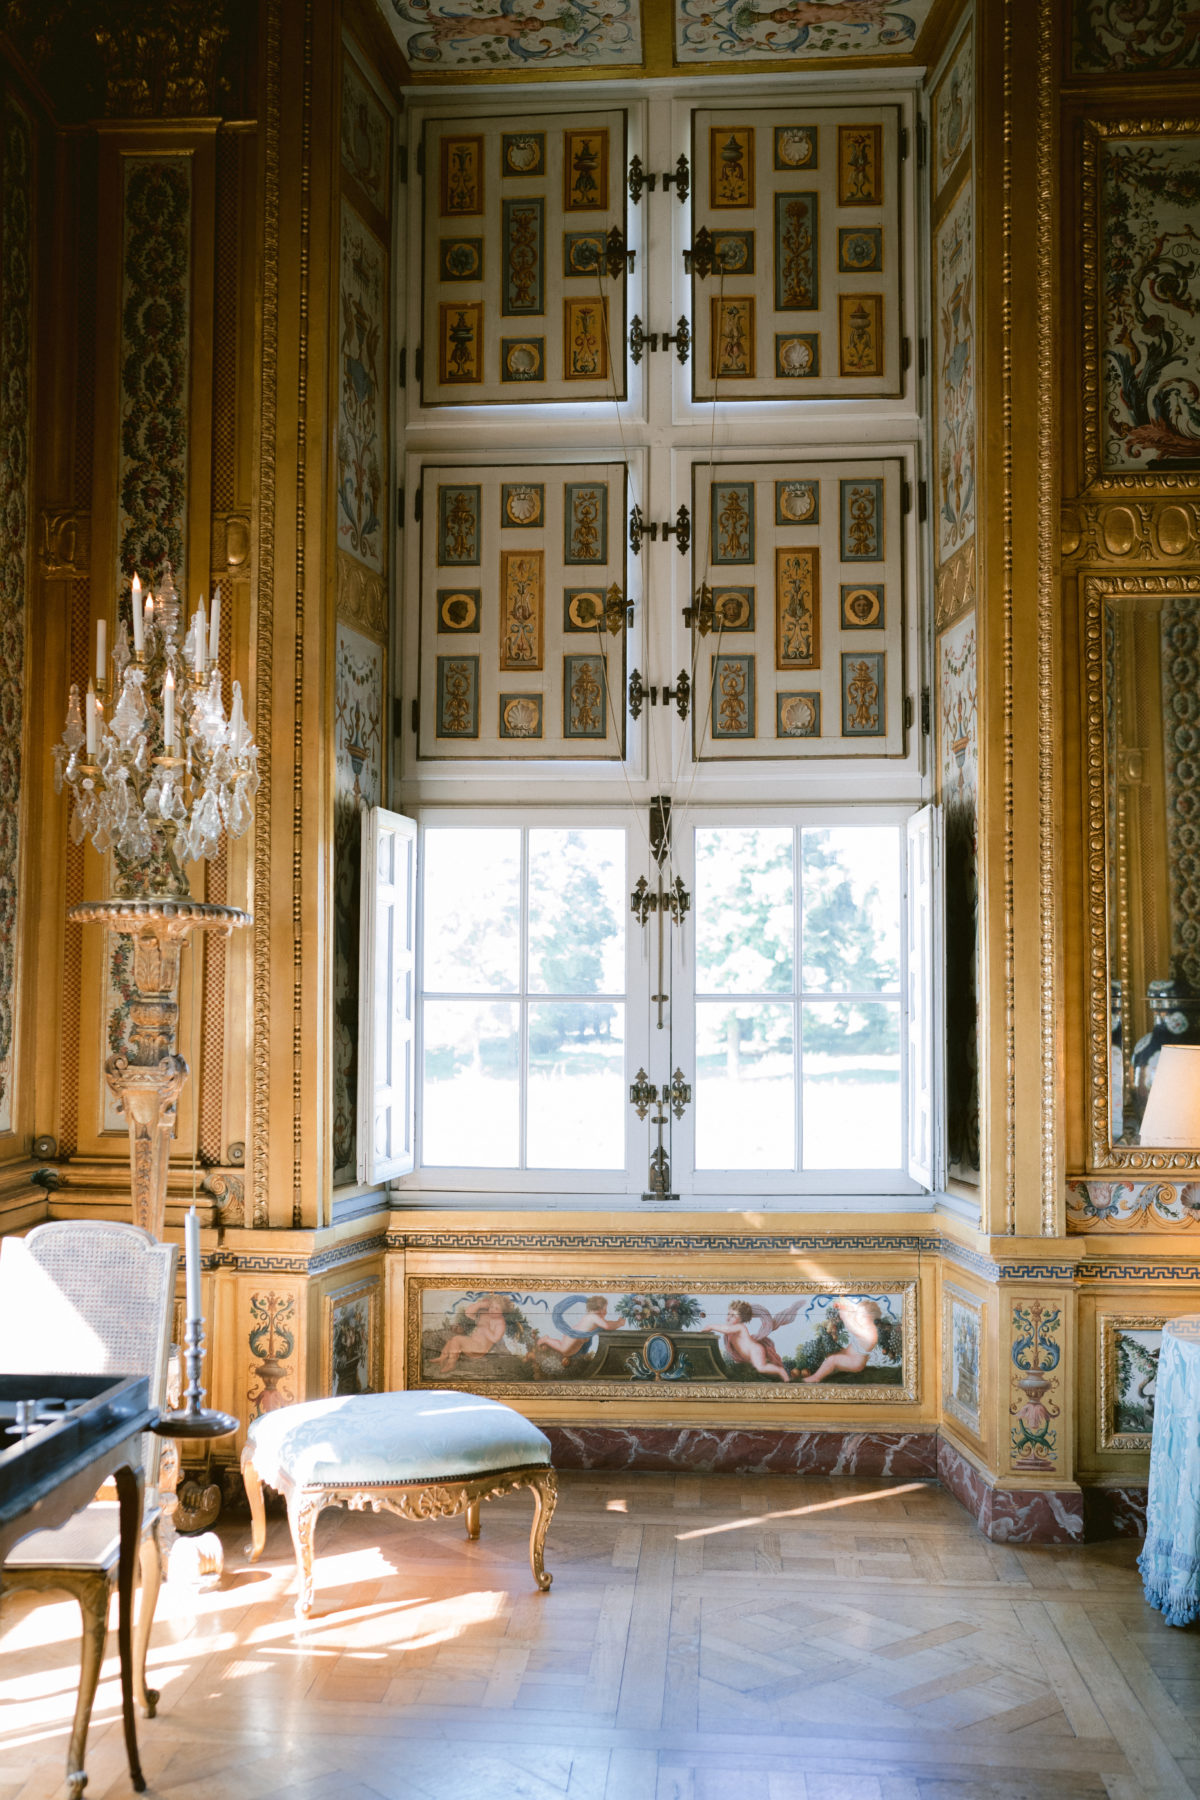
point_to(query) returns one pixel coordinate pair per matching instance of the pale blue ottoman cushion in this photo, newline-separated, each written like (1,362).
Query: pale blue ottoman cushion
(382,1440)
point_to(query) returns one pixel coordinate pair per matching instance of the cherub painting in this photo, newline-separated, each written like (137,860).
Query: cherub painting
(483,1325)
(860,1321)
(583,1332)
(746,1343)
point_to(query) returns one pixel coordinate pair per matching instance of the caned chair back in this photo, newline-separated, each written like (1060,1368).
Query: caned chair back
(79,1297)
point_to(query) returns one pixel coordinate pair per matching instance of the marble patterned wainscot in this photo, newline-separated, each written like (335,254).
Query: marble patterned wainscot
(896,1455)
(1011,1515)
(1114,1510)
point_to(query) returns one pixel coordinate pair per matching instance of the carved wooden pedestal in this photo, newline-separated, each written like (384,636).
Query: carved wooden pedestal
(148,1082)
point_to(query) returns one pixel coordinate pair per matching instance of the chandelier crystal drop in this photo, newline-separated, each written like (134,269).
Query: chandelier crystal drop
(160,776)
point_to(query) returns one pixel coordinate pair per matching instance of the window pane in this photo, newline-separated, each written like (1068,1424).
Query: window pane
(744,921)
(745,1087)
(472,911)
(851,1096)
(576,1085)
(850,906)
(470,1094)
(577,911)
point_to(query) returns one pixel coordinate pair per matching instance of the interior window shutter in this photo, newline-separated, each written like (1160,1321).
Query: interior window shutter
(923,859)
(387,997)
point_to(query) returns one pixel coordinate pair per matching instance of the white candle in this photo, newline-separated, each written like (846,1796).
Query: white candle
(214,629)
(236,724)
(101,648)
(149,612)
(201,636)
(191,1246)
(90,720)
(169,710)
(139,622)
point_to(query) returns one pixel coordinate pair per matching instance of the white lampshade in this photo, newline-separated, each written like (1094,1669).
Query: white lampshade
(1171,1120)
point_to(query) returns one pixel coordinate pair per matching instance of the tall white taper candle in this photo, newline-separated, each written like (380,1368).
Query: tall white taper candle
(139,621)
(101,648)
(191,1247)
(169,710)
(89,720)
(214,629)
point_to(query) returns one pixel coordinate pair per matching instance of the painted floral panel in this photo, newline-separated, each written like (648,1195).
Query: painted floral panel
(953,113)
(954,364)
(709,31)
(962,1338)
(517,34)
(1112,37)
(958,753)
(362,394)
(1123,1206)
(1136,1374)
(1150,304)
(366,137)
(848,1344)
(16,264)
(358,742)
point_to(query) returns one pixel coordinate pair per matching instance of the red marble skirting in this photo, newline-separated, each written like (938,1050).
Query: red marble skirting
(1114,1511)
(1011,1515)
(765,1450)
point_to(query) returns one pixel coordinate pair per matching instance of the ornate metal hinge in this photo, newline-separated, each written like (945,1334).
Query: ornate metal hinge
(618,611)
(638,529)
(681,693)
(636,179)
(702,256)
(674,900)
(681,530)
(643,1094)
(640,341)
(701,617)
(616,257)
(681,337)
(682,179)
(639,695)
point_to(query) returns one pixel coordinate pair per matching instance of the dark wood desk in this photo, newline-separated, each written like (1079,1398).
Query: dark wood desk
(56,1469)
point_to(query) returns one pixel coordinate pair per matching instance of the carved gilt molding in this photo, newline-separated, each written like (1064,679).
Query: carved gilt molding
(64,543)
(1046,216)
(1097,589)
(361,597)
(954,587)
(231,540)
(1150,530)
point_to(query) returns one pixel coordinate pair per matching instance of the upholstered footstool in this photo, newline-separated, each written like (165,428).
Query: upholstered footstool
(421,1455)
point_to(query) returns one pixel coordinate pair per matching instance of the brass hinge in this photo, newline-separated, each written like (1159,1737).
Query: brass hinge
(681,531)
(908,712)
(682,179)
(699,259)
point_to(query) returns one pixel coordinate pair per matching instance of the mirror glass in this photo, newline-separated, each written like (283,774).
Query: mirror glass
(1152,840)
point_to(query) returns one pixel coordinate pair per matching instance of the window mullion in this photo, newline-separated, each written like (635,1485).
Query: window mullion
(523,1009)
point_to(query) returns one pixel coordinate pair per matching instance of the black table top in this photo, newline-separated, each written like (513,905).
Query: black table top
(44,1474)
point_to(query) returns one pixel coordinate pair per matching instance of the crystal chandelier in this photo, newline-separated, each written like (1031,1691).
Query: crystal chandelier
(159,777)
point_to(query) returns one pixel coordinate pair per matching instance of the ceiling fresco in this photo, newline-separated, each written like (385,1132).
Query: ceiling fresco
(757,31)
(478,35)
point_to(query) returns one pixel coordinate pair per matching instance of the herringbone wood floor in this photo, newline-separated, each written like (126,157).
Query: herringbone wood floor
(753,1639)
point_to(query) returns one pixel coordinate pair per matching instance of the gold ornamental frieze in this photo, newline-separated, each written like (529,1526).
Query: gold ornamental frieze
(1149,530)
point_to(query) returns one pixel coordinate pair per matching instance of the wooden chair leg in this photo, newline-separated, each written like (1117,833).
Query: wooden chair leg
(544,1486)
(151,1581)
(472,1516)
(92,1590)
(304,1509)
(258,1511)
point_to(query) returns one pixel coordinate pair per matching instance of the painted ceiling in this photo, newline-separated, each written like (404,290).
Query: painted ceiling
(509,36)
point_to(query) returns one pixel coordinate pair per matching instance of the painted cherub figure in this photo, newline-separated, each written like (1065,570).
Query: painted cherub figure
(489,1325)
(861,1320)
(744,1344)
(575,1337)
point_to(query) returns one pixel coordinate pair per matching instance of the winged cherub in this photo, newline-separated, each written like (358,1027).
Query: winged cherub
(747,1343)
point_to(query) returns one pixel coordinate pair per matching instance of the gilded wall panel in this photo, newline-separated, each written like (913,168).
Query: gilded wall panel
(958,763)
(358,734)
(16,355)
(366,137)
(1039,1442)
(954,401)
(362,424)
(963,1349)
(1110,37)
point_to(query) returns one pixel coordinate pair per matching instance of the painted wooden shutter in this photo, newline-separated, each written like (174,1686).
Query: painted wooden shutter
(923,859)
(387,1009)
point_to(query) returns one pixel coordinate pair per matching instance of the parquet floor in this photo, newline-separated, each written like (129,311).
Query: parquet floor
(706,1636)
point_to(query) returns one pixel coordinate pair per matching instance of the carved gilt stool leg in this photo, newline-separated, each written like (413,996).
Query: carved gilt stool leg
(472,1517)
(304,1509)
(258,1511)
(544,1486)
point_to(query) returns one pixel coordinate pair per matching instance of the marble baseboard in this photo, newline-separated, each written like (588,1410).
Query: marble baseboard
(1110,1512)
(742,1450)
(1011,1515)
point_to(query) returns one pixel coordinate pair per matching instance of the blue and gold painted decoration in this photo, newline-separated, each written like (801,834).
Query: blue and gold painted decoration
(458,696)
(522,608)
(797,252)
(523,153)
(523,359)
(797,355)
(458,525)
(460,343)
(585,697)
(798,607)
(733,252)
(461,193)
(733,522)
(585,339)
(733,609)
(733,699)
(860,250)
(863,608)
(864,697)
(583,610)
(860,335)
(585,522)
(734,336)
(458,610)
(585,171)
(521,715)
(795,147)
(860,165)
(862,520)
(797,715)
(731,175)
(522,505)
(460,259)
(724,31)
(797,502)
(583,253)
(524,258)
